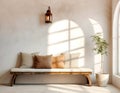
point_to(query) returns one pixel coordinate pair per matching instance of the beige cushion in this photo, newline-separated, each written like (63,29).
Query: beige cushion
(67,60)
(54,65)
(72,60)
(43,61)
(58,61)
(51,70)
(27,59)
(75,60)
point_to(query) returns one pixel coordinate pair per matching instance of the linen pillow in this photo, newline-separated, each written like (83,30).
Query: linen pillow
(43,61)
(27,59)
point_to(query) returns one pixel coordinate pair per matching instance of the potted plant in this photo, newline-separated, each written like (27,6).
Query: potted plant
(101,46)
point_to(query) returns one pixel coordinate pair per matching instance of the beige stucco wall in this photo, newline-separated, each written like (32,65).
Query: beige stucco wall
(22,28)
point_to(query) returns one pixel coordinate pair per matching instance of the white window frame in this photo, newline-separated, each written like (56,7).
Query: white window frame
(118,45)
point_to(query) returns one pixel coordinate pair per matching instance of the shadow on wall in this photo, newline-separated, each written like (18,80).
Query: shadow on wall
(19,60)
(7,76)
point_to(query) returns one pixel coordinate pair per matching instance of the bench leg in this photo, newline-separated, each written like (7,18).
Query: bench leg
(89,79)
(13,79)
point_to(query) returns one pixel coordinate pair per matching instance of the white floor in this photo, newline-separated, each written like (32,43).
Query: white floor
(58,88)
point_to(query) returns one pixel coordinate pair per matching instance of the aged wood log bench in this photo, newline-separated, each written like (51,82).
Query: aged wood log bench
(79,71)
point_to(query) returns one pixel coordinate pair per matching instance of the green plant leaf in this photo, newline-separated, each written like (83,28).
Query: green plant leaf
(101,45)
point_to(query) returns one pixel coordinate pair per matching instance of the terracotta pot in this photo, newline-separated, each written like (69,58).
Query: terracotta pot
(102,79)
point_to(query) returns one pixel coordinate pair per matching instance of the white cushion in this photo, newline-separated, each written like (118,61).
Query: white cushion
(67,60)
(72,60)
(27,60)
(51,70)
(75,60)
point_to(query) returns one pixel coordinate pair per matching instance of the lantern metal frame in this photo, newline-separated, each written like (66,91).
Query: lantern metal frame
(48,16)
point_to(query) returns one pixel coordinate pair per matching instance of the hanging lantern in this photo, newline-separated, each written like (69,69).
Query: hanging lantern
(48,16)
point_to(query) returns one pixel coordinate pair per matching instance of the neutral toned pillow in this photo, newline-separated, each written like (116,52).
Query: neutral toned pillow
(58,61)
(76,61)
(67,60)
(43,61)
(54,65)
(27,59)
(72,60)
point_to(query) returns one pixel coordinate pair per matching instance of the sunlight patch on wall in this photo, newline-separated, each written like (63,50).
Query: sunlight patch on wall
(97,57)
(58,37)
(81,51)
(58,48)
(76,33)
(77,43)
(73,25)
(66,36)
(59,26)
(96,26)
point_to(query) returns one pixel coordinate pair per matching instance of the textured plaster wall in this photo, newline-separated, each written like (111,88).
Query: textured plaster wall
(22,28)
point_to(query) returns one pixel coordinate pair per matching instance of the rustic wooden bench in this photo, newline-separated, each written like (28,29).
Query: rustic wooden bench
(79,71)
